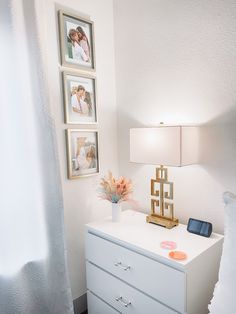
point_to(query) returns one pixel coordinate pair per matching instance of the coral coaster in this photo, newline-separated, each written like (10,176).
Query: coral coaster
(178,255)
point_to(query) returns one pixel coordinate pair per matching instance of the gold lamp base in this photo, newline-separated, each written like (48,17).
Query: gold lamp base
(162,221)
(163,200)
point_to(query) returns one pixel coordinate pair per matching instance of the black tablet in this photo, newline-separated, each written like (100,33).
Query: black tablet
(199,227)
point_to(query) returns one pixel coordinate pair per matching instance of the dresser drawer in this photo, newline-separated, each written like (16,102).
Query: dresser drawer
(97,306)
(121,296)
(162,282)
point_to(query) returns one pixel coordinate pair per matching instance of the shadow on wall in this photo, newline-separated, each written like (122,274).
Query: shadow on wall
(125,123)
(218,149)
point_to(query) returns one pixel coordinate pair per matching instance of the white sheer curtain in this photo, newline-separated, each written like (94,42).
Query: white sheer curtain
(33,273)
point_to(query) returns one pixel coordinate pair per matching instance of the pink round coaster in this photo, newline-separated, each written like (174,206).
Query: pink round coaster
(168,245)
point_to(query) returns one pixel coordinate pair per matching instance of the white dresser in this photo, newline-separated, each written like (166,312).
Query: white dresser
(128,271)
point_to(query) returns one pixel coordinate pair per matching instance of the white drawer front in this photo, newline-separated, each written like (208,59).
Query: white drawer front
(97,306)
(121,296)
(157,280)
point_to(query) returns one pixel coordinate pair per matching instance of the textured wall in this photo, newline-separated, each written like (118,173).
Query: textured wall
(175,62)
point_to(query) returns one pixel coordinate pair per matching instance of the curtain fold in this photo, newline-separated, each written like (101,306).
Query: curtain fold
(33,269)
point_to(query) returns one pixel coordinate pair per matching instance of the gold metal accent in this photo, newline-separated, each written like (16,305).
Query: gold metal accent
(160,202)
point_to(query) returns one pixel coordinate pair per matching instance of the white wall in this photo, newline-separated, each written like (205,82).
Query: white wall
(175,62)
(80,197)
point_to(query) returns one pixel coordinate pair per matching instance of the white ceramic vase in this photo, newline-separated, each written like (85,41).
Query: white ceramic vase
(116,212)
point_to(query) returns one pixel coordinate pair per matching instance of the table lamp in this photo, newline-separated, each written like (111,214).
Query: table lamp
(175,146)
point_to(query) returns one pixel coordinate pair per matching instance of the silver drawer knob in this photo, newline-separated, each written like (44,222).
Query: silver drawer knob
(124,267)
(123,301)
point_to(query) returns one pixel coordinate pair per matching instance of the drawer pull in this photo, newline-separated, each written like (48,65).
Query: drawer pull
(124,267)
(123,302)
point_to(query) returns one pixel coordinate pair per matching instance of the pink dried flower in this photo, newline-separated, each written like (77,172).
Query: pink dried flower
(115,190)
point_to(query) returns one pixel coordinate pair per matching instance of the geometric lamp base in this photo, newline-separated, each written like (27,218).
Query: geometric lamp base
(162,221)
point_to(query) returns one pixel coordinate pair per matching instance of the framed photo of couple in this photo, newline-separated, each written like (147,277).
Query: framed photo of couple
(80,105)
(76,41)
(79,91)
(82,150)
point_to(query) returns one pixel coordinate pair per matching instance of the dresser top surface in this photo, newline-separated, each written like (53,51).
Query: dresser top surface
(134,232)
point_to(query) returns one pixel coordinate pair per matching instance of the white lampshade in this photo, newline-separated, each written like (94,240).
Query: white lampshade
(164,145)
